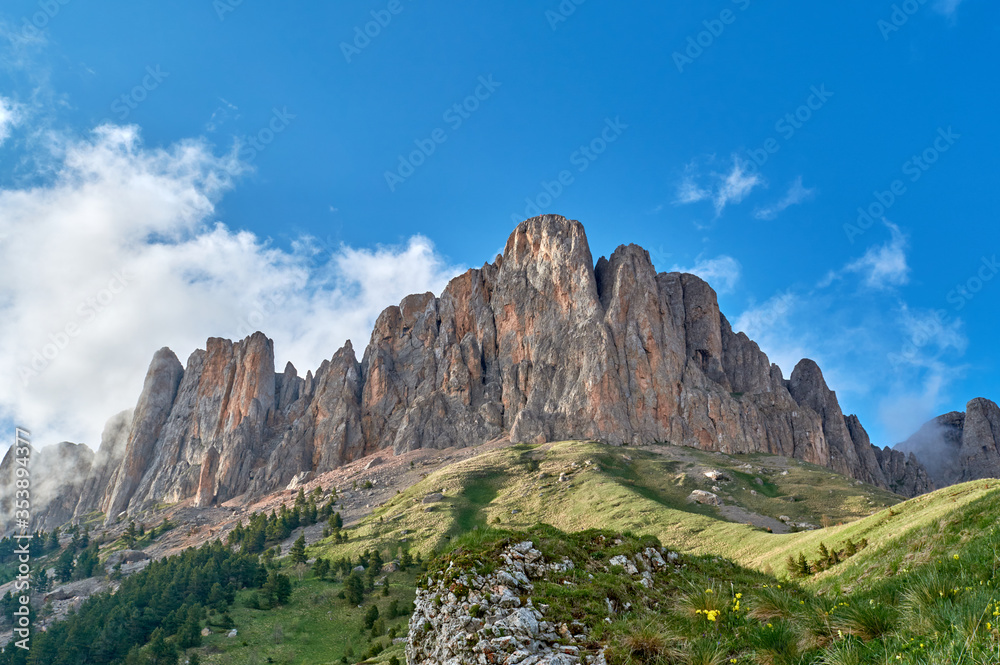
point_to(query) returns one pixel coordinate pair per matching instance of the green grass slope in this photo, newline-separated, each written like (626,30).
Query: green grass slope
(644,490)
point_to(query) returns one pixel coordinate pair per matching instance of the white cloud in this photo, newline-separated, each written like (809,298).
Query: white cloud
(796,194)
(726,188)
(722,272)
(884,266)
(116,211)
(10,117)
(689,192)
(736,186)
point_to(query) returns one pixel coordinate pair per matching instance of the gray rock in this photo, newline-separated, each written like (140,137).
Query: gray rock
(703,497)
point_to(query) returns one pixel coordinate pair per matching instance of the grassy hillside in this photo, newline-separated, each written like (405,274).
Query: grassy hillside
(912,546)
(644,490)
(315,627)
(921,591)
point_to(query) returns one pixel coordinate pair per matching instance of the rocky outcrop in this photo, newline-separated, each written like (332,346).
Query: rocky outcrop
(900,472)
(468,616)
(540,345)
(488,621)
(57,475)
(107,461)
(158,393)
(957,447)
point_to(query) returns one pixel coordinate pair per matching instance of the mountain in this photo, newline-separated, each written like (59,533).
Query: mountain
(959,446)
(540,345)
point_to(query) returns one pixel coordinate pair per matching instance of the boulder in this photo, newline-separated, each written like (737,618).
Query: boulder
(705,498)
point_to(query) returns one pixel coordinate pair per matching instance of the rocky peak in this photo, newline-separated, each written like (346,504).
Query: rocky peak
(58,474)
(959,446)
(980,453)
(157,397)
(540,345)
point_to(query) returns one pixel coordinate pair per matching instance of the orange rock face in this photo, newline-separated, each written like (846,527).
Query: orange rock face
(540,345)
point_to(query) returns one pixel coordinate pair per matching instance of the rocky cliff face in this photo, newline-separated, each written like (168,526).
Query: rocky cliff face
(958,447)
(58,474)
(540,345)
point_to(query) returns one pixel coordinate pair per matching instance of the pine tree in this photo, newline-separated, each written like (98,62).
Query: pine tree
(277,588)
(161,652)
(354,589)
(189,634)
(792,566)
(804,569)
(87,563)
(64,565)
(298,551)
(321,568)
(850,549)
(40,580)
(130,535)
(371,616)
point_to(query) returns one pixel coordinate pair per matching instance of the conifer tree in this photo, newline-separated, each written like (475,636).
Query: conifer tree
(298,551)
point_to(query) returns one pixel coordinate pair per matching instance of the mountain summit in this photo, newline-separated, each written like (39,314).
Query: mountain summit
(540,345)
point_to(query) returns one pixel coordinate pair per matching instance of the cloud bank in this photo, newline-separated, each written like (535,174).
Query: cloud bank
(118,254)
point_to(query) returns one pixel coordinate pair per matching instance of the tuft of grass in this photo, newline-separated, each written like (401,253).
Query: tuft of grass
(649,644)
(777,643)
(707,652)
(869,621)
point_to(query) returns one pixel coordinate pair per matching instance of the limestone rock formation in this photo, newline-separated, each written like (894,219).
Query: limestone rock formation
(58,473)
(901,472)
(543,344)
(957,447)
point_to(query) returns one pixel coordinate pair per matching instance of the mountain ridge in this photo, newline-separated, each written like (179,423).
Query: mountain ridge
(653,359)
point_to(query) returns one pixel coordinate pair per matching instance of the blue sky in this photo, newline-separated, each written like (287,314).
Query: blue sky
(243,165)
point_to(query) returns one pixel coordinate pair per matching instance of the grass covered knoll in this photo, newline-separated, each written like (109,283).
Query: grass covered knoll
(709,611)
(638,489)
